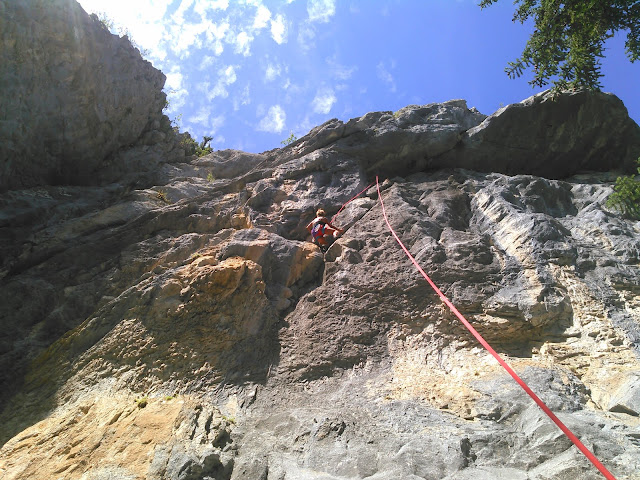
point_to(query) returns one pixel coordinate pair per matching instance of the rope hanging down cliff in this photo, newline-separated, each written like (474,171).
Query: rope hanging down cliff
(351,200)
(587,453)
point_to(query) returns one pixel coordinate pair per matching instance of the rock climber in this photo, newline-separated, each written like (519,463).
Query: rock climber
(322,231)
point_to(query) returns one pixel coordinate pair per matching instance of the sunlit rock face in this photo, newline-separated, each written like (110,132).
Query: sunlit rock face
(548,135)
(71,95)
(552,136)
(190,330)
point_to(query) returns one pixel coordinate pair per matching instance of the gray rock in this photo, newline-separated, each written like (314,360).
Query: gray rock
(346,365)
(109,473)
(71,95)
(285,264)
(197,451)
(230,163)
(407,140)
(489,473)
(627,398)
(544,135)
(551,136)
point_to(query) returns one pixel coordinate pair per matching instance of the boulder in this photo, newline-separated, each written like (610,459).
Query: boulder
(552,136)
(627,398)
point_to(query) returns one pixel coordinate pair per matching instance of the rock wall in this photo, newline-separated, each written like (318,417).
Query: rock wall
(256,356)
(190,331)
(71,95)
(546,135)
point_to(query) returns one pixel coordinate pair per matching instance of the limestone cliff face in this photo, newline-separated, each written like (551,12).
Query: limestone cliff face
(190,330)
(259,357)
(71,96)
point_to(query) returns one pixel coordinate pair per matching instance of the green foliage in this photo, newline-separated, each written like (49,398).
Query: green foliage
(210,177)
(290,139)
(188,143)
(175,125)
(626,195)
(204,148)
(568,41)
(142,402)
(194,148)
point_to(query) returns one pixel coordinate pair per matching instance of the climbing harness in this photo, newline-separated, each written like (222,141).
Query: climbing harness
(587,453)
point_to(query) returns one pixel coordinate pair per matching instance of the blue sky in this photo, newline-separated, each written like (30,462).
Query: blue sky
(250,72)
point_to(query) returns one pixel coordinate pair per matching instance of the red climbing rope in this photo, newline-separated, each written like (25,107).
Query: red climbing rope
(488,347)
(351,200)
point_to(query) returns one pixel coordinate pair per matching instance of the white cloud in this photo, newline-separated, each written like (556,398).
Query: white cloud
(178,16)
(177,100)
(229,74)
(307,125)
(202,117)
(243,43)
(216,123)
(157,56)
(295,91)
(174,79)
(274,121)
(188,35)
(323,101)
(279,29)
(243,99)
(185,35)
(226,77)
(202,6)
(207,62)
(143,19)
(338,71)
(306,36)
(218,4)
(176,92)
(385,75)
(261,20)
(215,34)
(272,72)
(321,10)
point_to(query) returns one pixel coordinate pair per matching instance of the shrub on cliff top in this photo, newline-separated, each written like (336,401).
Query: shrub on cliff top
(192,147)
(290,139)
(626,195)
